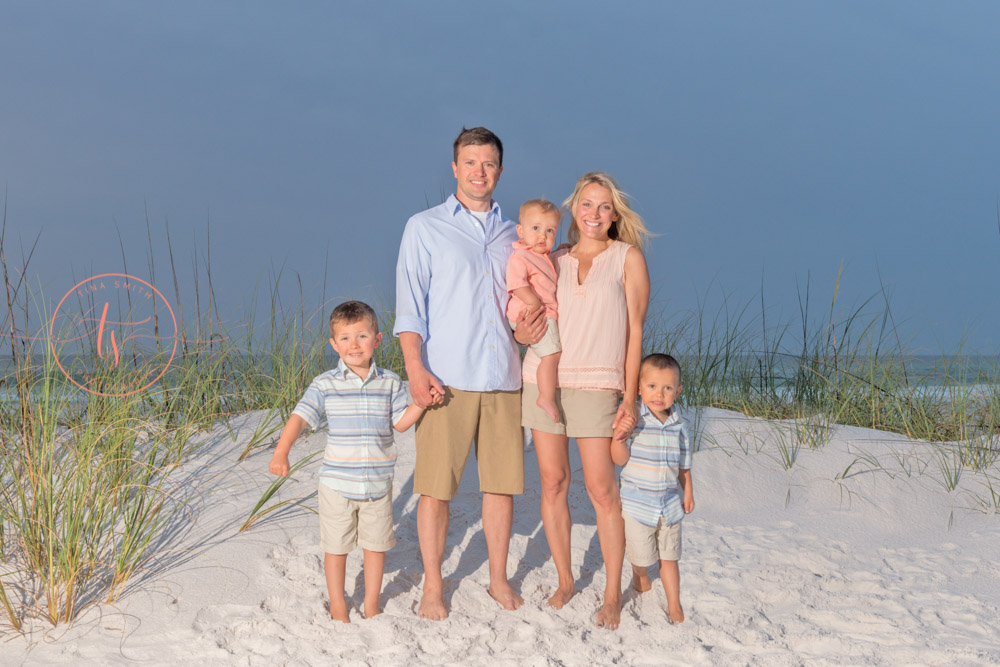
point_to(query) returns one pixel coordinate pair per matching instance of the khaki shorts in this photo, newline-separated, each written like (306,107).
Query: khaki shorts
(585,413)
(445,434)
(345,524)
(549,344)
(644,545)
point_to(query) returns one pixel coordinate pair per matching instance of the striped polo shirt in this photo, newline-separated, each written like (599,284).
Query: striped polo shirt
(359,413)
(649,486)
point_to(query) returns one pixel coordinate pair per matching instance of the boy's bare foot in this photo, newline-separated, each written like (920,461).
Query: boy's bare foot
(609,616)
(640,580)
(372,609)
(432,607)
(506,597)
(550,407)
(338,611)
(561,597)
(675,614)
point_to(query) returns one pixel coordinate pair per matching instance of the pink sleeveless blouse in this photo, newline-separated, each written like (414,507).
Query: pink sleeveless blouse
(593,322)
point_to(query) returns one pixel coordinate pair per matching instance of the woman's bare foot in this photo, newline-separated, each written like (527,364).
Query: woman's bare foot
(675,614)
(561,597)
(550,407)
(609,616)
(372,609)
(506,597)
(338,610)
(640,579)
(432,607)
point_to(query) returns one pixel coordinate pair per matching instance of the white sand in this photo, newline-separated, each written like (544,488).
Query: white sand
(780,567)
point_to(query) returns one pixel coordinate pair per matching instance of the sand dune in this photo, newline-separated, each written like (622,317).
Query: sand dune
(781,567)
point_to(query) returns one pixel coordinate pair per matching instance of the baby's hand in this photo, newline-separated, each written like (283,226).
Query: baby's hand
(279,466)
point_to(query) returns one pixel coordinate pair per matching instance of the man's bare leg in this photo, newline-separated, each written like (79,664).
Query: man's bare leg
(498,516)
(553,468)
(432,530)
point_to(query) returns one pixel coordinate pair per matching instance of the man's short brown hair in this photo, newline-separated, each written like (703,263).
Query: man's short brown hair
(350,312)
(477,136)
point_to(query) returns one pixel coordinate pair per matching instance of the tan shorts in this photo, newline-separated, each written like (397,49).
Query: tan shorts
(585,413)
(645,545)
(345,524)
(445,434)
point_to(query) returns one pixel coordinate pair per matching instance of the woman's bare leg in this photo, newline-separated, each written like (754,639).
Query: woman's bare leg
(553,468)
(602,487)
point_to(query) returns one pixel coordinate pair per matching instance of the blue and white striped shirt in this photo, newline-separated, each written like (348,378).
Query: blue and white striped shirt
(451,289)
(649,486)
(360,452)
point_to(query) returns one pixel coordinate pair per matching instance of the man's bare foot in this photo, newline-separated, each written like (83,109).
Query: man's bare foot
(609,616)
(550,407)
(432,607)
(640,580)
(561,597)
(506,597)
(372,609)
(675,614)
(338,611)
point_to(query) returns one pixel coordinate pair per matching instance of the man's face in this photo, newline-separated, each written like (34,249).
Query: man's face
(477,171)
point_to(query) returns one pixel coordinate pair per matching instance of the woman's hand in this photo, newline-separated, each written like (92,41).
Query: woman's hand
(625,420)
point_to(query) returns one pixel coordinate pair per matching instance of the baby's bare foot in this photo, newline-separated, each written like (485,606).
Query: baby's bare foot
(338,611)
(432,607)
(550,407)
(675,614)
(640,581)
(506,597)
(609,616)
(561,597)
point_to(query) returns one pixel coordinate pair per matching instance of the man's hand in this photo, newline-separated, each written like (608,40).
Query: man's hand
(530,327)
(424,387)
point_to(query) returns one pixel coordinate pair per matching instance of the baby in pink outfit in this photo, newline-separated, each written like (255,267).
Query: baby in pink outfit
(531,281)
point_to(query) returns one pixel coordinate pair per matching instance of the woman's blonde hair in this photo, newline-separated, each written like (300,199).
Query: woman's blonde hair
(629,226)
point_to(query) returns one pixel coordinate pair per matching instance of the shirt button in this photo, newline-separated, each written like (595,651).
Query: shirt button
(490,297)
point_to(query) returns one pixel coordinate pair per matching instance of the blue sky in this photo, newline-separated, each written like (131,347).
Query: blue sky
(763,142)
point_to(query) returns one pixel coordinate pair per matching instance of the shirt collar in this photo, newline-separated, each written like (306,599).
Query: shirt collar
(343,372)
(455,206)
(651,419)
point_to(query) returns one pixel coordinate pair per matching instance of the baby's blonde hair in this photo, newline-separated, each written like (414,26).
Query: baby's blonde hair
(544,204)
(629,226)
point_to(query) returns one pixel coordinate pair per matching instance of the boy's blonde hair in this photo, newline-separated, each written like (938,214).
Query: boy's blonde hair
(629,226)
(544,204)
(350,312)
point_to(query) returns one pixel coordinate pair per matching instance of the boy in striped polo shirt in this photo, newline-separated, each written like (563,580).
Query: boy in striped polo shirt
(656,486)
(361,404)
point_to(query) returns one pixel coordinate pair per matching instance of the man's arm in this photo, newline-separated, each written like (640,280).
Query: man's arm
(425,388)
(530,327)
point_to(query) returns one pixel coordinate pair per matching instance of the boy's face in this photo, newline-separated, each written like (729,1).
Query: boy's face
(537,229)
(658,389)
(356,343)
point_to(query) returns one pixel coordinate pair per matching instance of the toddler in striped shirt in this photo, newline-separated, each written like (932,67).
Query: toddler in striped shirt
(656,488)
(361,404)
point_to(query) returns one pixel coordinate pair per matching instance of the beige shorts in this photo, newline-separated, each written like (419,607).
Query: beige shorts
(345,524)
(549,344)
(645,545)
(445,435)
(585,413)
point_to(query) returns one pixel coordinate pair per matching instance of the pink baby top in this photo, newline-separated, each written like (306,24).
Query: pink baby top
(530,269)
(593,322)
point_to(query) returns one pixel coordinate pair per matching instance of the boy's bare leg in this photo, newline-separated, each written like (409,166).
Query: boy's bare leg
(640,579)
(374,567)
(552,451)
(498,516)
(602,487)
(547,376)
(335,568)
(671,577)
(432,530)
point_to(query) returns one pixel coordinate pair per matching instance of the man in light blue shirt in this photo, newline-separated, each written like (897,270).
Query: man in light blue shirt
(462,361)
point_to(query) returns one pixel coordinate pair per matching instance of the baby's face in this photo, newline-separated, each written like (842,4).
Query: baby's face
(538,229)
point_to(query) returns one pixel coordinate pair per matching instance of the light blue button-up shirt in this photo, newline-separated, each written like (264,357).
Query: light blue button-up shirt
(451,290)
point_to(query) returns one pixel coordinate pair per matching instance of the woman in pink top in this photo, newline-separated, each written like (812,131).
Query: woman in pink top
(602,296)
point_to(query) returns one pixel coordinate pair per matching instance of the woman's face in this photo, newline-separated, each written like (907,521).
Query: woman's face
(594,212)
